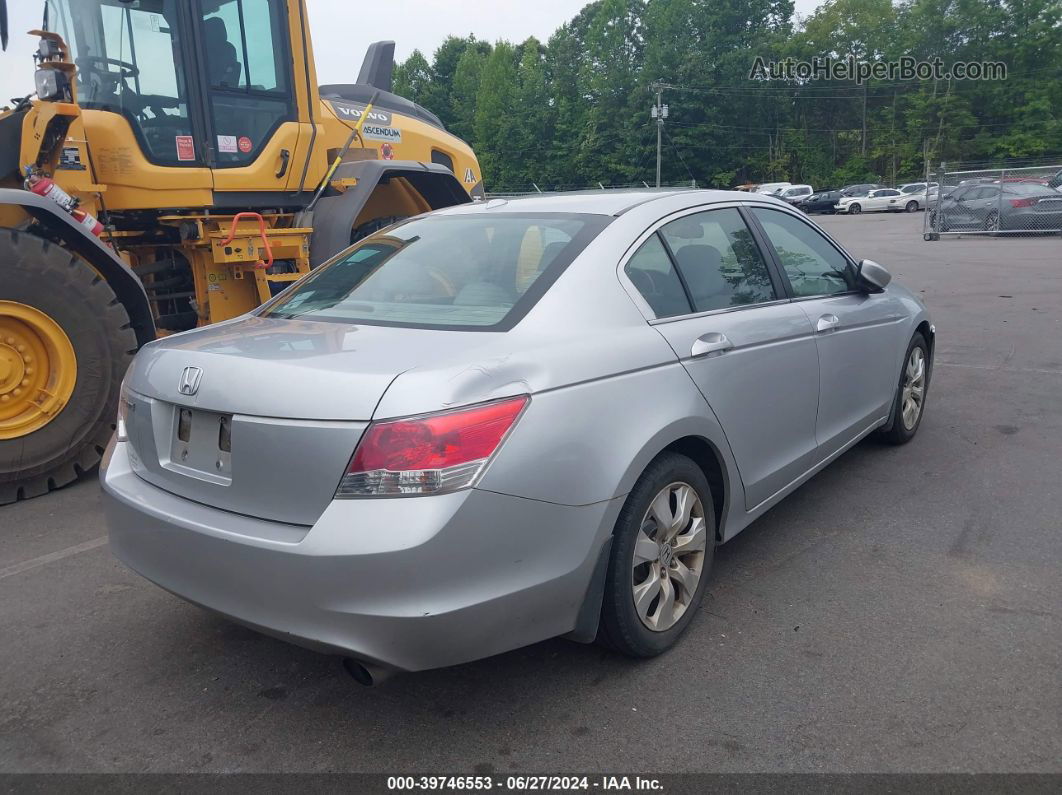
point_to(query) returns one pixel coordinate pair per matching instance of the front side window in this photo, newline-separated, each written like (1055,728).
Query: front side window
(247,74)
(812,264)
(469,272)
(128,58)
(719,260)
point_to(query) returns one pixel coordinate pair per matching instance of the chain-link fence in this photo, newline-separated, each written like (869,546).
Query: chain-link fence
(993,201)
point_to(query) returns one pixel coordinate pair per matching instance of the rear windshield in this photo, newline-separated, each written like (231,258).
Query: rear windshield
(480,271)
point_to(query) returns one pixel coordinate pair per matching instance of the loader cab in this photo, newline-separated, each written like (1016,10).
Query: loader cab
(201,82)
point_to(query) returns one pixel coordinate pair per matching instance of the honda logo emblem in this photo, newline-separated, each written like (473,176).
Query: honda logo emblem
(189,383)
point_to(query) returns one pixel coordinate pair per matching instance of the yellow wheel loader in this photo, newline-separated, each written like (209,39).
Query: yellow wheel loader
(179,165)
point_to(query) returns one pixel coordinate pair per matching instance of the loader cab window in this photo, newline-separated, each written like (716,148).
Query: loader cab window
(248,74)
(129,62)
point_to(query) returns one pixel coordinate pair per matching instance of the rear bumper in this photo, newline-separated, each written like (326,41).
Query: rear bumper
(409,584)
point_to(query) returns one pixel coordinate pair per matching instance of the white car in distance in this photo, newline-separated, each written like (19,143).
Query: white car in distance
(914,196)
(873,201)
(772,188)
(795,194)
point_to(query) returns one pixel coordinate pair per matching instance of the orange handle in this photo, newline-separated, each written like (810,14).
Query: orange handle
(261,231)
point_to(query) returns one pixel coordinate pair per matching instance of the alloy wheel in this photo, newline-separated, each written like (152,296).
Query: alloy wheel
(914,388)
(669,556)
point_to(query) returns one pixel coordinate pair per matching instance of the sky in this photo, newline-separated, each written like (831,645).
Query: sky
(343,29)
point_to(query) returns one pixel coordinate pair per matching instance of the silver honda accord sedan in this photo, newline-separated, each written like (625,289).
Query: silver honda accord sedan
(508,421)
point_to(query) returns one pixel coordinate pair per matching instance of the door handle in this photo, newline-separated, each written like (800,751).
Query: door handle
(712,342)
(827,323)
(285,158)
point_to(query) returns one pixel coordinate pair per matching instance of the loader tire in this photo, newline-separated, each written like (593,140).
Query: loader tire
(54,305)
(372,227)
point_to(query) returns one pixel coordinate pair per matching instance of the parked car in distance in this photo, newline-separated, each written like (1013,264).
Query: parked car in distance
(795,194)
(993,208)
(507,421)
(821,202)
(770,188)
(874,201)
(1055,181)
(861,189)
(913,196)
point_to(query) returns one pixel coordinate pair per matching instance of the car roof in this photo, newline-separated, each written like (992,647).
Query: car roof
(598,202)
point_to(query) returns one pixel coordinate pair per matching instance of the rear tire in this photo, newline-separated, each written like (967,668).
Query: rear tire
(623,628)
(52,280)
(912,206)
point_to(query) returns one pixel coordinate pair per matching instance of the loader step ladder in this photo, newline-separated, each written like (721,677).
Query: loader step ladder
(245,244)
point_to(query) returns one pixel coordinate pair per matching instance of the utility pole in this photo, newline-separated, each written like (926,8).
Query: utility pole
(658,112)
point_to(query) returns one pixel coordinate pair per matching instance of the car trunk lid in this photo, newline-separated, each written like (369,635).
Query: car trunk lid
(261,416)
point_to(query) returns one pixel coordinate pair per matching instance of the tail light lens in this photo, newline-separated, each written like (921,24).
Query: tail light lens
(121,429)
(430,454)
(1023,202)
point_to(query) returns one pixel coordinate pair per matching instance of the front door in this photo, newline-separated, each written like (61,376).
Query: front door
(749,350)
(246,64)
(858,335)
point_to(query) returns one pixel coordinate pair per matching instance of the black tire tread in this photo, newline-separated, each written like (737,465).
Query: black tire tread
(613,632)
(52,268)
(897,434)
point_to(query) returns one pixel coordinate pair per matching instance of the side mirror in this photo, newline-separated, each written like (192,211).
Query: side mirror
(872,277)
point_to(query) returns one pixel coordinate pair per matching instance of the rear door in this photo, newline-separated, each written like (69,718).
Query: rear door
(750,351)
(858,335)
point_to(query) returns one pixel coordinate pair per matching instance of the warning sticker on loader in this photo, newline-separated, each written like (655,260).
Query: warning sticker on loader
(375,132)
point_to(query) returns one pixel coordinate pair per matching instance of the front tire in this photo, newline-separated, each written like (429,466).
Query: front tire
(662,552)
(62,322)
(909,402)
(854,209)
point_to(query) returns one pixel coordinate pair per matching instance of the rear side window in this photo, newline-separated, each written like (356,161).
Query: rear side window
(480,271)
(652,273)
(719,260)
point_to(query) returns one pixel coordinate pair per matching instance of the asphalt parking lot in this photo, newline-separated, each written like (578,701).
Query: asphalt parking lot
(901,612)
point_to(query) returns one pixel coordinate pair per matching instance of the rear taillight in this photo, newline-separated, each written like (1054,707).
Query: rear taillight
(1023,202)
(121,429)
(430,454)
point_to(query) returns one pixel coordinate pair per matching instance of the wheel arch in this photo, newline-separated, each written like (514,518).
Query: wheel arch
(702,441)
(334,216)
(708,459)
(60,227)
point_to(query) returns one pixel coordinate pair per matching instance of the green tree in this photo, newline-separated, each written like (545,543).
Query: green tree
(413,77)
(464,90)
(498,156)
